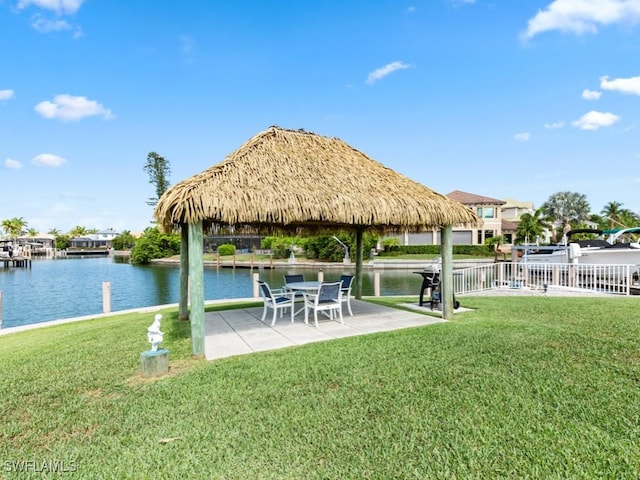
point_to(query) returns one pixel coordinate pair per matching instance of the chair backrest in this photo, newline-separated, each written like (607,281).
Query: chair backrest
(328,292)
(293,278)
(266,291)
(346,281)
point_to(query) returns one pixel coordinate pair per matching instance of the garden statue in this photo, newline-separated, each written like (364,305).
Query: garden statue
(154,335)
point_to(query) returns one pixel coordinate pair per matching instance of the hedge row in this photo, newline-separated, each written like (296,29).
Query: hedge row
(475,250)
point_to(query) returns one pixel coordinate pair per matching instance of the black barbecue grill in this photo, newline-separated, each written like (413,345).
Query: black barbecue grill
(431,281)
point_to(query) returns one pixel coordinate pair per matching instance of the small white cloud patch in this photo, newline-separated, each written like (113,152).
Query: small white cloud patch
(48,160)
(6,94)
(382,72)
(70,108)
(594,120)
(582,16)
(591,94)
(12,164)
(61,7)
(629,85)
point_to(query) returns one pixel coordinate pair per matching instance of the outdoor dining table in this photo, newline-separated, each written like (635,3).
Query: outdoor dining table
(309,287)
(306,287)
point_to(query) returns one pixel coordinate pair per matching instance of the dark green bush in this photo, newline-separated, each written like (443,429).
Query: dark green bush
(226,249)
(153,244)
(475,250)
(280,246)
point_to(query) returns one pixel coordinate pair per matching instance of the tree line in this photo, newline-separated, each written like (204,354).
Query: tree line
(565,211)
(561,212)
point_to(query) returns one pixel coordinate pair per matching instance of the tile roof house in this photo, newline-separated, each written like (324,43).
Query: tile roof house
(490,212)
(499,217)
(513,209)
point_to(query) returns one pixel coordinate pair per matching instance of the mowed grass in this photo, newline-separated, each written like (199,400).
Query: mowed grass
(519,387)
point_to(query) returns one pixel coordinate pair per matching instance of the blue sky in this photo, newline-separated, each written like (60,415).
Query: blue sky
(502,98)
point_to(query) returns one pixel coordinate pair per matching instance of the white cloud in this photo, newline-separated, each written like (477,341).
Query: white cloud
(61,7)
(48,160)
(12,164)
(624,85)
(386,70)
(44,25)
(594,120)
(70,108)
(582,16)
(554,125)
(522,137)
(6,94)
(591,94)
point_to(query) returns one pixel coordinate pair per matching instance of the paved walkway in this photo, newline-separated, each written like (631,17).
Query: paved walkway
(237,332)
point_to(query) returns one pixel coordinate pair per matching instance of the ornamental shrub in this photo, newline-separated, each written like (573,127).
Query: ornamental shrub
(226,249)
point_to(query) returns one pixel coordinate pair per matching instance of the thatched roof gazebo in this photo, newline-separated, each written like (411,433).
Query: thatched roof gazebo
(293,181)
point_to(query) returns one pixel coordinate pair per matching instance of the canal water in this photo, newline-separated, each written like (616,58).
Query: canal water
(55,289)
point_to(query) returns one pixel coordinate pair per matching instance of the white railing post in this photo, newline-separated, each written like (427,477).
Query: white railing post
(256,290)
(106,297)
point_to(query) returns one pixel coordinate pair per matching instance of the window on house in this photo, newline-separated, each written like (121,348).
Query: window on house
(483,235)
(486,212)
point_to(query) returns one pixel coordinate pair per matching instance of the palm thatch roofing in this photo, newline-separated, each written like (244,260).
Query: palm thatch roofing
(293,179)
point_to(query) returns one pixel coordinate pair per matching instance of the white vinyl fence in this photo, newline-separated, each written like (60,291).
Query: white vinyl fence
(614,279)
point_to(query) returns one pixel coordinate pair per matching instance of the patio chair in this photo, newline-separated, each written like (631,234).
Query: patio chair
(347,281)
(328,299)
(294,279)
(276,300)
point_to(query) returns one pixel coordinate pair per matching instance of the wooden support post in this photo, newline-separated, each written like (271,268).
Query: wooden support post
(320,276)
(183,305)
(106,297)
(154,364)
(196,293)
(446,276)
(358,279)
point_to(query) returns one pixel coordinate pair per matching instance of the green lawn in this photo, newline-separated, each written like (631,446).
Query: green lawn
(520,387)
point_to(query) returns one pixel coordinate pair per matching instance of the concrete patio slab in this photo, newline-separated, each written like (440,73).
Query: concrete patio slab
(239,332)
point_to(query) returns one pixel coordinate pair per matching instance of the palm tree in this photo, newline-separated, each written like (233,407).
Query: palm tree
(78,231)
(566,207)
(628,218)
(612,211)
(55,232)
(531,226)
(495,242)
(14,227)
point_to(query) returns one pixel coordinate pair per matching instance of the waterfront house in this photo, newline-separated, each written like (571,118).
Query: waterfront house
(100,240)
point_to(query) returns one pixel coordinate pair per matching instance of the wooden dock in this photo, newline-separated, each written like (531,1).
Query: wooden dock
(15,262)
